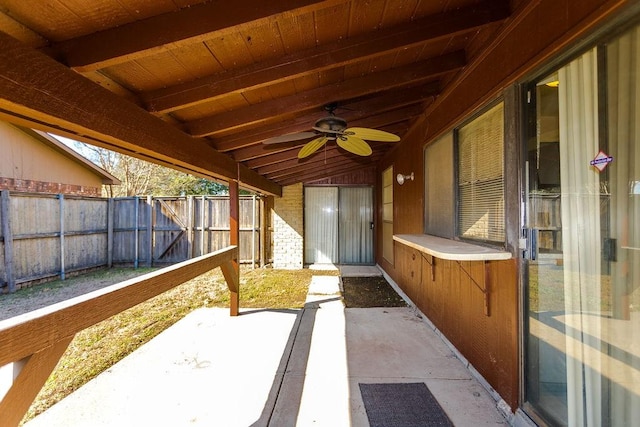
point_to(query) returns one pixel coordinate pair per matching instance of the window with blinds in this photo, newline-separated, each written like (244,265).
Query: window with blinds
(480,177)
(387,214)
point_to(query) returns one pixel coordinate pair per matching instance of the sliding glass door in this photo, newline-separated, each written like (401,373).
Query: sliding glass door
(582,320)
(338,225)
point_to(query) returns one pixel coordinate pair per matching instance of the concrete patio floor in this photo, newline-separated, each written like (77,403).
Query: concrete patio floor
(276,368)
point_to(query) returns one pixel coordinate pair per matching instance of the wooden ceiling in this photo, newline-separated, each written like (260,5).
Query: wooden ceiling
(199,85)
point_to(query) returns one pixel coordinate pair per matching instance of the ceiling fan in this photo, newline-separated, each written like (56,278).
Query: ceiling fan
(333,128)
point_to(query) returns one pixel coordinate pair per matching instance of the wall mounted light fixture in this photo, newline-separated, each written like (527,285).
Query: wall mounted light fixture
(402,178)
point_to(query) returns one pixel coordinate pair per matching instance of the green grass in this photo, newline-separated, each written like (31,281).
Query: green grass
(99,347)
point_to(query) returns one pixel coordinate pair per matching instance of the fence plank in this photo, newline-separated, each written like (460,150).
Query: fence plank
(136,237)
(61,198)
(110,208)
(5,207)
(149,243)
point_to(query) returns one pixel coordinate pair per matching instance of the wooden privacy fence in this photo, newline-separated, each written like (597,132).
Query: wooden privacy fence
(44,236)
(35,341)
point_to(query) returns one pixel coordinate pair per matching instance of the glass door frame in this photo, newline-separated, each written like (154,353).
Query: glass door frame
(528,116)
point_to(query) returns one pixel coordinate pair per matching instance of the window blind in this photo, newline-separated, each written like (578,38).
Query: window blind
(480,177)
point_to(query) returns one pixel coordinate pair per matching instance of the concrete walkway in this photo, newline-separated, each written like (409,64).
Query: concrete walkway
(276,368)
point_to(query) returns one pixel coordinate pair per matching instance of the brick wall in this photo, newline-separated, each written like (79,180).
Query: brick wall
(29,186)
(288,229)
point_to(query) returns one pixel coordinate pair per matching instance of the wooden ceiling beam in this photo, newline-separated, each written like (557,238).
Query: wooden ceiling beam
(39,92)
(291,152)
(275,157)
(352,111)
(259,150)
(167,31)
(290,157)
(333,55)
(323,174)
(378,121)
(329,153)
(322,167)
(331,156)
(348,89)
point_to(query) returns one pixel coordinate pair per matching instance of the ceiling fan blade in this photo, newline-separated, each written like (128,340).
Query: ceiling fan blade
(372,134)
(354,145)
(311,147)
(289,137)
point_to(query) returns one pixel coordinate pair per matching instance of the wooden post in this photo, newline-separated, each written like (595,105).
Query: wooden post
(110,213)
(5,212)
(234,240)
(202,224)
(153,222)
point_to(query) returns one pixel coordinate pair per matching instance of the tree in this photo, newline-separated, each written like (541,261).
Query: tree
(139,177)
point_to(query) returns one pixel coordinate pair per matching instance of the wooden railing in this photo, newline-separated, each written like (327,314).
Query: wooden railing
(35,341)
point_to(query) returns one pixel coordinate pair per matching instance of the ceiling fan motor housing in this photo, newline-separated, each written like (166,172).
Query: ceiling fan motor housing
(331,123)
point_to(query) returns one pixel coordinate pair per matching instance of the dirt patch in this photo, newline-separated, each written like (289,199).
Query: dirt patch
(366,292)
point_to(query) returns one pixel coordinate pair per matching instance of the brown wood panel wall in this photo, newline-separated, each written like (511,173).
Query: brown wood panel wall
(446,294)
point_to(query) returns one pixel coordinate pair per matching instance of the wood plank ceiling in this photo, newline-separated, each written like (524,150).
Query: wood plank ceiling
(217,78)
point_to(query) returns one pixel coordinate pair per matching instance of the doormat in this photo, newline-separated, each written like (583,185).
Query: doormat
(402,405)
(367,292)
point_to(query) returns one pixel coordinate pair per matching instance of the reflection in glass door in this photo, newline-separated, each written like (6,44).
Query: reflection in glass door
(546,362)
(583,228)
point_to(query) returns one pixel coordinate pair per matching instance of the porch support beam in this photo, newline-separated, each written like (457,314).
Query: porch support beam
(257,114)
(231,270)
(25,335)
(35,341)
(376,122)
(353,111)
(161,33)
(40,93)
(26,386)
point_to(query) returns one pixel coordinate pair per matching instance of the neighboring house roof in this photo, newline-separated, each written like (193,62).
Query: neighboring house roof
(68,152)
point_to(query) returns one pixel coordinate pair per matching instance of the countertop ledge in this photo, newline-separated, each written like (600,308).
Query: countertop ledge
(453,250)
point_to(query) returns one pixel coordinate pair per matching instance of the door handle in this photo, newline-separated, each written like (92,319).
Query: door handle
(531,243)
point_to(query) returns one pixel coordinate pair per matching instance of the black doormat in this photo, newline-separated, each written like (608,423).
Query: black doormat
(402,405)
(367,292)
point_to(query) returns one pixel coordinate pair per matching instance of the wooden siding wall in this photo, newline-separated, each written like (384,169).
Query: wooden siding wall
(50,235)
(543,30)
(451,300)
